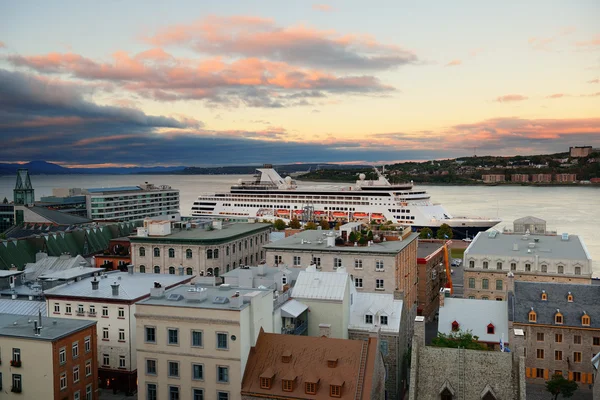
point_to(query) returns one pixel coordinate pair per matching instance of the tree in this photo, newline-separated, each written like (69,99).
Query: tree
(445,232)
(279,224)
(354,236)
(458,339)
(310,226)
(5,201)
(426,233)
(370,235)
(324,224)
(295,224)
(559,385)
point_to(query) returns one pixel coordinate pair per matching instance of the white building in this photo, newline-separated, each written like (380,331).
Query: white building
(110,299)
(276,278)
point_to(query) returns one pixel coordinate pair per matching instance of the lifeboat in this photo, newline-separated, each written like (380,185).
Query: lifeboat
(319,212)
(298,212)
(283,212)
(338,214)
(377,216)
(360,215)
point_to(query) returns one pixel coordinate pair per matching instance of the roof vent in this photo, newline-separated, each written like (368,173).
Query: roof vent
(286,357)
(516,247)
(531,245)
(225,286)
(95,284)
(332,362)
(175,297)
(115,289)
(220,300)
(564,237)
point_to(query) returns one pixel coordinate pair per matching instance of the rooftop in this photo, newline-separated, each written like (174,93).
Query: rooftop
(312,284)
(267,272)
(6,273)
(529,294)
(59,218)
(316,241)
(375,304)
(49,266)
(52,328)
(22,307)
(425,249)
(226,233)
(517,245)
(114,189)
(475,315)
(71,273)
(131,286)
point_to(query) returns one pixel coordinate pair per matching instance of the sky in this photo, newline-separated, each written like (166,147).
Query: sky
(196,83)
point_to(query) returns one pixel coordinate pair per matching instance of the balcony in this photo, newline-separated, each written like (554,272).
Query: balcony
(15,363)
(295,329)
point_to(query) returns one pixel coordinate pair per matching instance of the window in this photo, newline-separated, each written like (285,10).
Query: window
(471,264)
(544,268)
(88,368)
(150,334)
(284,280)
(121,335)
(577,339)
(570,297)
(532,316)
(383,319)
(171,253)
(277,259)
(471,283)
(156,252)
(172,270)
(209,254)
(337,262)
(577,270)
(577,376)
(558,338)
(75,350)
(498,265)
(62,355)
(216,253)
(222,341)
(121,361)
(142,252)
(104,333)
(540,336)
(596,341)
(190,271)
(585,320)
(310,388)
(528,267)
(88,392)
(287,385)
(222,396)
(513,266)
(76,374)
(539,372)
(197,371)
(317,261)
(188,253)
(485,265)
(368,319)
(56,308)
(151,391)
(92,310)
(68,309)
(491,329)
(173,392)
(63,381)
(485,298)
(197,339)
(156,269)
(485,284)
(544,295)
(558,318)
(498,284)
(379,265)
(106,360)
(357,263)
(384,347)
(197,394)
(265,383)
(121,312)
(173,369)
(561,269)
(173,335)
(335,391)
(142,269)
(105,311)
(540,354)
(557,355)
(558,372)
(577,356)
(150,366)
(358,283)
(297,261)
(379,284)
(222,374)
(76,395)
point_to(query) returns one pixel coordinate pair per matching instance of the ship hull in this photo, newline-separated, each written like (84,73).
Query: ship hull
(458,232)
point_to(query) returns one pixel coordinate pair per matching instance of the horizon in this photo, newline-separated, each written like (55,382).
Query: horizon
(203,84)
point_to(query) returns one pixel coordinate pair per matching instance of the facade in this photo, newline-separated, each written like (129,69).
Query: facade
(529,224)
(50,358)
(493,178)
(110,300)
(558,326)
(580,151)
(200,251)
(541,178)
(519,178)
(301,367)
(450,373)
(116,256)
(7,216)
(568,178)
(194,342)
(431,262)
(546,258)
(132,203)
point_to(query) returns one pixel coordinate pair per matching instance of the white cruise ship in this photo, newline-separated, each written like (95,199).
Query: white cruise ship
(269,196)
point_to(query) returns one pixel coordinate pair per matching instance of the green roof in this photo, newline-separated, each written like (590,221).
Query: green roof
(200,236)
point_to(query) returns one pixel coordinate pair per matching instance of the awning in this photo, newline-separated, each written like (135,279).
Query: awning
(292,309)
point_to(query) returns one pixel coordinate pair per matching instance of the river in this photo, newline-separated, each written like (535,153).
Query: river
(575,210)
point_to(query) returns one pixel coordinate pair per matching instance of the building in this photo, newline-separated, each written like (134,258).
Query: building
(194,342)
(116,256)
(519,178)
(48,358)
(71,201)
(431,262)
(110,299)
(529,224)
(22,307)
(558,325)
(130,203)
(381,311)
(486,320)
(541,178)
(35,214)
(452,373)
(203,250)
(543,258)
(7,216)
(580,151)
(276,278)
(493,178)
(596,367)
(301,367)
(565,178)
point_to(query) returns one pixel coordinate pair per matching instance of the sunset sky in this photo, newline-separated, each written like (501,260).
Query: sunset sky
(246,82)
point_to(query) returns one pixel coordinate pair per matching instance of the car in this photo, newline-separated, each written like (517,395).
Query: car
(456,262)
(468,240)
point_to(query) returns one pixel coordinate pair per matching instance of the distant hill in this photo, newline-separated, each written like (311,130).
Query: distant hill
(285,169)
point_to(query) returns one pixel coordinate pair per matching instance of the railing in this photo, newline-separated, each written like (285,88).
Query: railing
(15,363)
(295,330)
(279,300)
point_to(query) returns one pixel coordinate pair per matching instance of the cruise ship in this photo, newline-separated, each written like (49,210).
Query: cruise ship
(269,196)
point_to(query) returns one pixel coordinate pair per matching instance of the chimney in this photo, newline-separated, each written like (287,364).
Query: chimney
(444,292)
(82,264)
(40,318)
(510,282)
(419,330)
(130,269)
(95,284)
(330,240)
(180,268)
(115,289)
(325,330)
(35,328)
(157,290)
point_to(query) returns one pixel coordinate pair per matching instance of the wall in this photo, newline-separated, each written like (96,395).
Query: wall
(326,312)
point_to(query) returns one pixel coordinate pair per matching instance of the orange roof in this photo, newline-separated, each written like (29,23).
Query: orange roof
(308,363)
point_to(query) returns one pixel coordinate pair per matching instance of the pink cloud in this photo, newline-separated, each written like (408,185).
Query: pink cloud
(2,44)
(322,7)
(589,44)
(556,96)
(510,97)
(594,81)
(476,52)
(454,63)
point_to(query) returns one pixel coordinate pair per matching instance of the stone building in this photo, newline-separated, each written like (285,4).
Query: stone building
(116,256)
(202,250)
(541,178)
(449,373)
(493,178)
(565,178)
(431,263)
(558,326)
(580,151)
(519,178)
(547,258)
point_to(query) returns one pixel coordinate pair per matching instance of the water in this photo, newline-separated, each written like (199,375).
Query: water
(566,209)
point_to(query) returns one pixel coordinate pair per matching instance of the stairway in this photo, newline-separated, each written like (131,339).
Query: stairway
(361,370)
(461,374)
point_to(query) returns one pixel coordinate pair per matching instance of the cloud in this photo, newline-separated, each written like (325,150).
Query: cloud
(556,96)
(454,63)
(245,36)
(540,43)
(591,95)
(2,45)
(589,44)
(594,81)
(510,98)
(322,7)
(476,52)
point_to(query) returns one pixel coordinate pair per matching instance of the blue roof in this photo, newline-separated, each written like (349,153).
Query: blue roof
(115,189)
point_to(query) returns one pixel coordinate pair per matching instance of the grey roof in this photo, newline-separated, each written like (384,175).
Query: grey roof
(375,304)
(52,328)
(298,242)
(425,249)
(269,272)
(114,189)
(131,286)
(48,265)
(529,294)
(475,315)
(72,273)
(316,285)
(529,220)
(227,233)
(22,307)
(217,297)
(547,246)
(5,273)
(58,217)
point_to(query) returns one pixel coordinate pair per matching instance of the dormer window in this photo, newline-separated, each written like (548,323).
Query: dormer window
(265,383)
(383,319)
(532,316)
(570,297)
(287,385)
(544,295)
(455,326)
(332,362)
(585,319)
(558,318)
(368,319)
(310,387)
(286,357)
(491,329)
(335,391)
(266,378)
